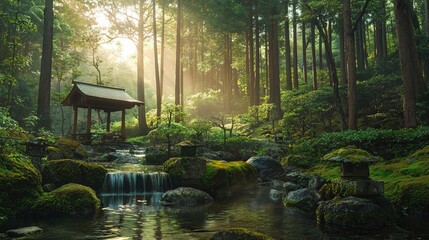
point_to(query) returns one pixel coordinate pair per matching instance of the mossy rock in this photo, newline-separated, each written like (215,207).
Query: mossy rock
(70,200)
(351,214)
(351,155)
(185,167)
(298,161)
(69,148)
(221,175)
(65,171)
(240,234)
(155,156)
(353,187)
(20,185)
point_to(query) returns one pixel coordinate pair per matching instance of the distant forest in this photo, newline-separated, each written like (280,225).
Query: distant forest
(311,66)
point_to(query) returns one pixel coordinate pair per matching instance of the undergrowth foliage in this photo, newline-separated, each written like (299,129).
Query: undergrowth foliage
(385,143)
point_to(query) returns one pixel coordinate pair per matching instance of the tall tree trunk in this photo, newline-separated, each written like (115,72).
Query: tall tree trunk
(251,57)
(410,66)
(295,46)
(44,100)
(258,61)
(380,40)
(177,89)
(274,64)
(143,128)
(321,50)
(267,87)
(351,64)
(360,49)
(162,51)
(426,28)
(304,53)
(155,53)
(288,60)
(313,55)
(227,82)
(343,65)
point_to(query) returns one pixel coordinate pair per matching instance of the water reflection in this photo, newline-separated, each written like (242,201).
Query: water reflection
(133,216)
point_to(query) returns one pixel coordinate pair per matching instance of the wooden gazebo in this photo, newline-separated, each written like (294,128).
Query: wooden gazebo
(97,97)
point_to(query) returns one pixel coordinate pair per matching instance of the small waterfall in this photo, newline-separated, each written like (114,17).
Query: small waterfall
(138,183)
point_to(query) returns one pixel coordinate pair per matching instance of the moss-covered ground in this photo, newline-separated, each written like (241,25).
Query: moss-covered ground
(406,179)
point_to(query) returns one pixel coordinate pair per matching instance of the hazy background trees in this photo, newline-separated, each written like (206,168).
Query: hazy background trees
(347,55)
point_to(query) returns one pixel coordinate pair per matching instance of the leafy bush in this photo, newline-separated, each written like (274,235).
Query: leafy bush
(388,144)
(205,103)
(308,112)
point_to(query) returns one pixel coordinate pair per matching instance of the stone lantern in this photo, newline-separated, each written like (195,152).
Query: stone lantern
(188,148)
(355,179)
(354,162)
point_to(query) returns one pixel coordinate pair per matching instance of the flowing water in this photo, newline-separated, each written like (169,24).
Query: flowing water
(132,210)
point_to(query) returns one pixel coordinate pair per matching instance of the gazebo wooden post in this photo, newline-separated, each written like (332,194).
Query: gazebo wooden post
(108,122)
(88,122)
(75,112)
(123,123)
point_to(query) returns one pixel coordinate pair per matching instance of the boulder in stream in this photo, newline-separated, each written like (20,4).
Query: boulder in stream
(186,197)
(304,199)
(352,213)
(266,167)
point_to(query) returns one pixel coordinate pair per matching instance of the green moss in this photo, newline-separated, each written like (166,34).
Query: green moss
(298,161)
(350,154)
(240,234)
(66,171)
(20,184)
(228,174)
(181,167)
(68,200)
(326,170)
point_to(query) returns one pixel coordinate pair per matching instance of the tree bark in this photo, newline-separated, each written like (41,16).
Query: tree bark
(143,128)
(295,46)
(410,67)
(288,51)
(155,53)
(44,100)
(177,89)
(257,60)
(349,45)
(304,53)
(313,56)
(273,46)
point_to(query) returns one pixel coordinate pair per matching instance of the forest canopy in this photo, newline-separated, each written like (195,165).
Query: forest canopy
(306,67)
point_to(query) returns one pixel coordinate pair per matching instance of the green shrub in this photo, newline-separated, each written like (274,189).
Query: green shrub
(388,144)
(72,200)
(65,171)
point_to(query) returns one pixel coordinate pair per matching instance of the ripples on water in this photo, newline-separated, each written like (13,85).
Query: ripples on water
(142,217)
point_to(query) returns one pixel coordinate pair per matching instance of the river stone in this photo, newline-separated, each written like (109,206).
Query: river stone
(316,182)
(298,178)
(266,167)
(352,187)
(22,232)
(304,199)
(276,195)
(186,197)
(351,213)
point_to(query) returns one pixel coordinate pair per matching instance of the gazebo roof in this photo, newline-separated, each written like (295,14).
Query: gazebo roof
(109,99)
